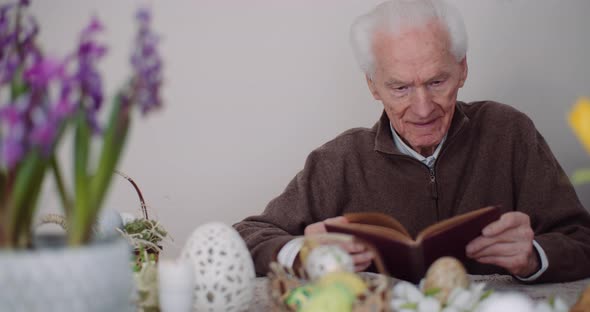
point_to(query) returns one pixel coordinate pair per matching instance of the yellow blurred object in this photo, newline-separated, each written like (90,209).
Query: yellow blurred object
(297,297)
(347,279)
(309,243)
(334,298)
(583,304)
(579,120)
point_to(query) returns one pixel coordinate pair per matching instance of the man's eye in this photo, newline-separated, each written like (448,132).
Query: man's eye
(400,89)
(436,83)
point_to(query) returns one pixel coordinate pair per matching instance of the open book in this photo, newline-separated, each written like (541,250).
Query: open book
(403,257)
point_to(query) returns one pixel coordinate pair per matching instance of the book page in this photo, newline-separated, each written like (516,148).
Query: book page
(453,222)
(376,218)
(370,230)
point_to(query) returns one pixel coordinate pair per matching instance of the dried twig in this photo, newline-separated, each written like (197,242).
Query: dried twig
(53,219)
(141,200)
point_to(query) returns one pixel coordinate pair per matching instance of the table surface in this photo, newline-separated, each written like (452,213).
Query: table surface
(568,292)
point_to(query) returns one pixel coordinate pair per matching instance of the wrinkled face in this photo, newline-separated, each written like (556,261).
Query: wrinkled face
(417,79)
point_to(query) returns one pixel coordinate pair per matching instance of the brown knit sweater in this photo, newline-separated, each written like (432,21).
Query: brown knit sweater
(493,155)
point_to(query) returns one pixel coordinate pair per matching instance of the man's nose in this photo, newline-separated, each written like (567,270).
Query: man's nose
(422,105)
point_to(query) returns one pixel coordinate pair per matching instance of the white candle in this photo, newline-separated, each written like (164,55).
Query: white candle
(175,285)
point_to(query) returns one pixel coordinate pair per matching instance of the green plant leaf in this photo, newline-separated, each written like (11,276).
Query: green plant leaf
(17,86)
(409,305)
(4,220)
(22,203)
(581,176)
(3,192)
(431,291)
(81,222)
(147,230)
(64,196)
(486,294)
(23,236)
(66,201)
(113,143)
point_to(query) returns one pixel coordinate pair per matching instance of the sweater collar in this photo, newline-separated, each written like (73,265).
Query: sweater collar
(384,139)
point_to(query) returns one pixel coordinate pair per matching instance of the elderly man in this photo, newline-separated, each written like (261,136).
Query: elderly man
(431,157)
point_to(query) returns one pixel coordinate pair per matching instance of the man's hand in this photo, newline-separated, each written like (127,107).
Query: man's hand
(507,243)
(360,255)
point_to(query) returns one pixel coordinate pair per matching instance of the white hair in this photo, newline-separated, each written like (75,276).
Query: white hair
(394,16)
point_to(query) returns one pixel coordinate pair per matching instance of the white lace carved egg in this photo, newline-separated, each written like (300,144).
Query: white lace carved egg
(223,268)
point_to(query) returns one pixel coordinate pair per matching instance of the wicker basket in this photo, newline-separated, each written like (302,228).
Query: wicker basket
(283,280)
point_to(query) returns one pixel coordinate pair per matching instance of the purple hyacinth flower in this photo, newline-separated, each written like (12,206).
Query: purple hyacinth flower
(10,115)
(4,9)
(147,65)
(43,135)
(28,32)
(12,147)
(7,61)
(11,152)
(64,106)
(4,22)
(87,76)
(43,71)
(91,86)
(14,113)
(24,33)
(15,38)
(94,27)
(143,16)
(8,67)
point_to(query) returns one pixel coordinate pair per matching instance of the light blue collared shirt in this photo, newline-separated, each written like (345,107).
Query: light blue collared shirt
(405,149)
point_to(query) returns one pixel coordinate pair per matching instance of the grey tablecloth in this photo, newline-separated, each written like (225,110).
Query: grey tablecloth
(569,292)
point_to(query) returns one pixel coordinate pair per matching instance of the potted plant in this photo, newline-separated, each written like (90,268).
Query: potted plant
(43,98)
(144,234)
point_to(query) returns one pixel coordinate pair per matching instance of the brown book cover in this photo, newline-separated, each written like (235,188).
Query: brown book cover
(406,258)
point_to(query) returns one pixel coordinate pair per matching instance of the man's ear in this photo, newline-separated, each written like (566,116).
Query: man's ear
(464,71)
(372,88)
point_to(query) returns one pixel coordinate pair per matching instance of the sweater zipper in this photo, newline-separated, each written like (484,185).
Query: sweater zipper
(434,192)
(433,186)
(433,175)
(433,183)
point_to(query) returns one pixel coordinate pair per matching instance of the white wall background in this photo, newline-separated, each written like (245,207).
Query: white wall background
(253,86)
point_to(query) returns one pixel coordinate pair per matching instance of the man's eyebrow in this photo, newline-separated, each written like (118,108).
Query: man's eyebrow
(442,75)
(394,82)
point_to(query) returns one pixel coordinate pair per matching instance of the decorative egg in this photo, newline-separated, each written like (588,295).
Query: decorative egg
(327,258)
(349,280)
(223,268)
(107,223)
(444,275)
(511,301)
(312,241)
(330,299)
(297,297)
